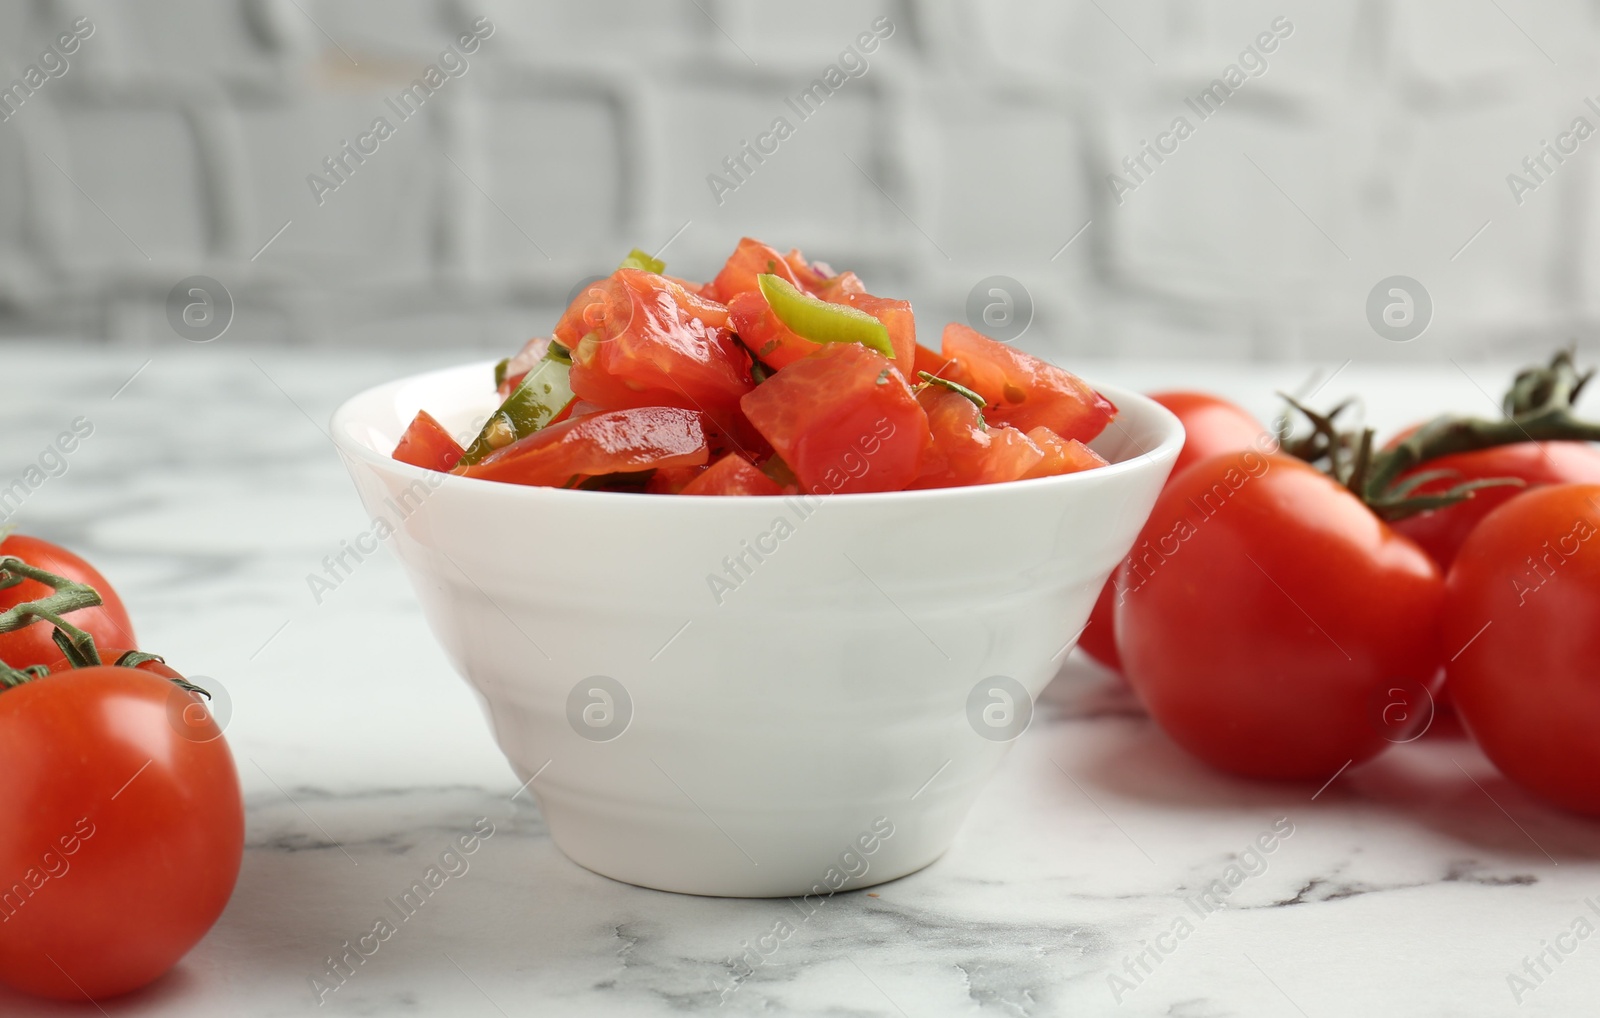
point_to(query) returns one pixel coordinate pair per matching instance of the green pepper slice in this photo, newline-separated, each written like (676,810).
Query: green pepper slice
(638,259)
(541,395)
(821,322)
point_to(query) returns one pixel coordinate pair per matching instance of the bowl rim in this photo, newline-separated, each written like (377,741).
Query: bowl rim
(1166,449)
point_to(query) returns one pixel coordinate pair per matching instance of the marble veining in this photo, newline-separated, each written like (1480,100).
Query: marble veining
(1414,885)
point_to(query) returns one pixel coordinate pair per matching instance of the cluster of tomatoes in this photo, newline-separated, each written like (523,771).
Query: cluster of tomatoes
(777,376)
(123,825)
(1295,606)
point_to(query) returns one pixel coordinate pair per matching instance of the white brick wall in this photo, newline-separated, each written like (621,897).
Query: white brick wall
(1376,143)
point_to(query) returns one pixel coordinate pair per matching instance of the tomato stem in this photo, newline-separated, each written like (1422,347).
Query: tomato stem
(67,596)
(1538,408)
(11,677)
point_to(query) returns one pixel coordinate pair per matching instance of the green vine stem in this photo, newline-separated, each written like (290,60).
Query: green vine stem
(1537,409)
(67,596)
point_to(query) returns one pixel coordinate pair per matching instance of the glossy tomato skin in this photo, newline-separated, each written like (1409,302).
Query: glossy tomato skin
(1442,532)
(653,343)
(1023,390)
(32,645)
(1211,425)
(843,419)
(1521,602)
(1264,611)
(124,835)
(613,441)
(1061,456)
(426,444)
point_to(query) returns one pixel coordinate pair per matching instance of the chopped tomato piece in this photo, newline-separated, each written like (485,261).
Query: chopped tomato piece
(1023,390)
(426,444)
(526,360)
(698,289)
(672,480)
(615,441)
(843,420)
(1011,455)
(964,451)
(572,410)
(656,344)
(835,287)
(819,279)
(749,260)
(732,475)
(772,342)
(1061,455)
(896,316)
(931,361)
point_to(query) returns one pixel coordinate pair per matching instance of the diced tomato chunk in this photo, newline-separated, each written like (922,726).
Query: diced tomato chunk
(896,316)
(749,260)
(1011,455)
(732,475)
(1023,390)
(964,451)
(957,443)
(1061,455)
(843,420)
(931,361)
(525,360)
(426,444)
(772,342)
(615,441)
(818,279)
(672,480)
(655,344)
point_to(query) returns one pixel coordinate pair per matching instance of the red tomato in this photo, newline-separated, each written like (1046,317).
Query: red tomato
(749,260)
(1061,456)
(1264,612)
(426,444)
(1211,425)
(732,475)
(652,343)
(123,837)
(32,645)
(1520,609)
(773,343)
(1023,390)
(897,318)
(617,441)
(1442,532)
(843,420)
(111,655)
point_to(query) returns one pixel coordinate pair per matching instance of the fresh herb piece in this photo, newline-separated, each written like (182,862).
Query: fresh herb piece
(955,387)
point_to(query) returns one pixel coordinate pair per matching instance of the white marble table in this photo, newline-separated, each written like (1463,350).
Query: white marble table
(1410,886)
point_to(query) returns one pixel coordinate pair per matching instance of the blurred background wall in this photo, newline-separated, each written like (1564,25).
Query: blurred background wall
(1374,139)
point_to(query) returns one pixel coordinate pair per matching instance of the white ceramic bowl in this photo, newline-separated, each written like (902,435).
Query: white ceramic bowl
(830,722)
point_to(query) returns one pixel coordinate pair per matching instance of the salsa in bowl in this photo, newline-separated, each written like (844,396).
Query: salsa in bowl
(792,694)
